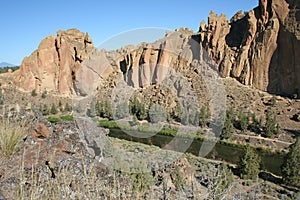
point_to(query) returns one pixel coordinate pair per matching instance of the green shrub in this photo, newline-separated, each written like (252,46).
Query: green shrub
(44,94)
(53,119)
(33,93)
(108,124)
(67,117)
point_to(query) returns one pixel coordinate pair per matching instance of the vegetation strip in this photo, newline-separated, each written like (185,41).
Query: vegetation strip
(174,132)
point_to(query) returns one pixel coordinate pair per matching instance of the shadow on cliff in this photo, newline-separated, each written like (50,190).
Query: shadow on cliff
(235,38)
(284,69)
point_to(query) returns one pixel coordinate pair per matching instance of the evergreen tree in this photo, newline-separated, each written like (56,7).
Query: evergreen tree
(290,167)
(99,109)
(256,124)
(45,110)
(68,108)
(53,109)
(243,121)
(59,104)
(271,126)
(33,93)
(108,113)
(228,124)
(138,109)
(44,94)
(249,164)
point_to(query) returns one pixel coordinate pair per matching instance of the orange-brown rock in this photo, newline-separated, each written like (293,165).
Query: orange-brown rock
(41,131)
(258,48)
(52,66)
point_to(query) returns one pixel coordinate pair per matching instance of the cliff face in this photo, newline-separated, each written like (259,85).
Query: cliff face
(54,64)
(140,66)
(259,48)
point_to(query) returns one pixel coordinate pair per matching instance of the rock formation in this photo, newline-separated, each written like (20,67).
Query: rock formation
(54,64)
(141,66)
(258,48)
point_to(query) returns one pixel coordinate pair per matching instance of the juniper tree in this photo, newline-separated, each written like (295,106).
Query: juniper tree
(271,125)
(68,108)
(249,164)
(243,121)
(44,94)
(228,124)
(290,167)
(45,110)
(33,93)
(138,109)
(53,109)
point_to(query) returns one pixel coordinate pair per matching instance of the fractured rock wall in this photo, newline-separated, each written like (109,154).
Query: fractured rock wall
(54,64)
(258,48)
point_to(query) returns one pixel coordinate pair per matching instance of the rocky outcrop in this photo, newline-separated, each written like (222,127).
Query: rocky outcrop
(141,66)
(257,48)
(55,63)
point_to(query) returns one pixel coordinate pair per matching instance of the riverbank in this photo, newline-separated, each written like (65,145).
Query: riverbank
(222,150)
(173,132)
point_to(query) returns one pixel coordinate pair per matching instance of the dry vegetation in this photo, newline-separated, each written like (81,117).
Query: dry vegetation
(12,132)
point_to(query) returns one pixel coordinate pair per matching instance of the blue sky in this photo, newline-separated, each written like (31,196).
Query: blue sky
(25,23)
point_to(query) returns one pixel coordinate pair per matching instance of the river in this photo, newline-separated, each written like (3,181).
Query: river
(271,162)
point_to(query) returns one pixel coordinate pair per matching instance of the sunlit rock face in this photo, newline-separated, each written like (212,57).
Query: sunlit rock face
(258,48)
(54,64)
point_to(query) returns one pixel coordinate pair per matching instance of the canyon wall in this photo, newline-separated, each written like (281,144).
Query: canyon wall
(258,48)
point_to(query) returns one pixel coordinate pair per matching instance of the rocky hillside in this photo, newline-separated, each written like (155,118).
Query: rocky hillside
(258,48)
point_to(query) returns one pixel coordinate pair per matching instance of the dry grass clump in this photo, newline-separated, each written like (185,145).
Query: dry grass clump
(12,132)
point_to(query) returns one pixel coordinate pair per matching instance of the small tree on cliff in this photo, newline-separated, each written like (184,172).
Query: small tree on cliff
(290,167)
